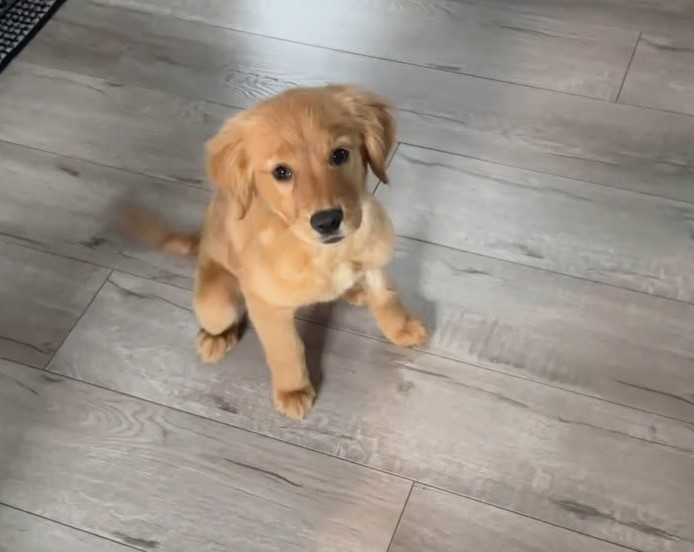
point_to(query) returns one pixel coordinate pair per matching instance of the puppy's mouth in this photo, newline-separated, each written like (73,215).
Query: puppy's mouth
(332,239)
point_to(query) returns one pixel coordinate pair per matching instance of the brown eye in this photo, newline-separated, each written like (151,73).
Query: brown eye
(340,156)
(282,173)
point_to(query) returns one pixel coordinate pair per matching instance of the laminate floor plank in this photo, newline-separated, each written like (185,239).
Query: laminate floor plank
(645,15)
(436,521)
(602,142)
(596,143)
(125,127)
(158,479)
(571,227)
(662,73)
(622,346)
(69,207)
(547,453)
(555,54)
(41,298)
(22,532)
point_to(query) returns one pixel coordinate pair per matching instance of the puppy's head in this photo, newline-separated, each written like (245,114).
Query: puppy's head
(305,154)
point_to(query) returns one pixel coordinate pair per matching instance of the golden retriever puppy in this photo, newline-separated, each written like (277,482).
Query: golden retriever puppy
(292,224)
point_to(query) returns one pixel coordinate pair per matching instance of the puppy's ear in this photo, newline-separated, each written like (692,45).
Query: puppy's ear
(374,116)
(228,164)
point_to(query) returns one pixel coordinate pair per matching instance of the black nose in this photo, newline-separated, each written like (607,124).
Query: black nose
(327,222)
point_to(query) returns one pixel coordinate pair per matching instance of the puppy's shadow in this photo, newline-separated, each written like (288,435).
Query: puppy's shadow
(409,272)
(408,269)
(315,335)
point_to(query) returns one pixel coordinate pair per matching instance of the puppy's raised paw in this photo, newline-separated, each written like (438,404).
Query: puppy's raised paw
(212,348)
(411,333)
(295,404)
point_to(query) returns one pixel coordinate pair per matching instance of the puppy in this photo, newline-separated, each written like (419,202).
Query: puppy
(292,224)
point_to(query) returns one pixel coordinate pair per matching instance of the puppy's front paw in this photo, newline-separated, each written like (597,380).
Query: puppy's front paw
(211,348)
(295,404)
(411,333)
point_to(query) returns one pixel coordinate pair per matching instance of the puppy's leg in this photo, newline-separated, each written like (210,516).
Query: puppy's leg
(395,321)
(284,353)
(356,295)
(217,302)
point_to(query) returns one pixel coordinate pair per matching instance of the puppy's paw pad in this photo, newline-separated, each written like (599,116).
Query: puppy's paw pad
(295,404)
(355,296)
(211,348)
(411,334)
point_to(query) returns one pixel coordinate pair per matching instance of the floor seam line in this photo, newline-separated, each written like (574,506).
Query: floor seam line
(402,513)
(69,526)
(626,73)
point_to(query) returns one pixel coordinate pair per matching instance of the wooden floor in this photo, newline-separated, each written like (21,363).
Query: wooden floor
(543,191)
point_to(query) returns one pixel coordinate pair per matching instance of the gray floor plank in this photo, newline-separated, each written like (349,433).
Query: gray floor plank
(644,15)
(620,345)
(611,144)
(571,227)
(67,206)
(441,522)
(22,532)
(160,479)
(41,298)
(561,457)
(662,73)
(131,128)
(617,145)
(586,59)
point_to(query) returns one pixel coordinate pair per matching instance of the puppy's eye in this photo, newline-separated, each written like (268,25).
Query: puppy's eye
(282,173)
(340,156)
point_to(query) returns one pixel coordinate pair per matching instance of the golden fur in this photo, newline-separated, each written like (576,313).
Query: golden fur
(258,249)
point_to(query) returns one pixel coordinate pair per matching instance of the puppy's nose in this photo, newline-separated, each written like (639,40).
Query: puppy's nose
(327,222)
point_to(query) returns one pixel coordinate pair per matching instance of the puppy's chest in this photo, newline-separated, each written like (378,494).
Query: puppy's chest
(314,280)
(332,280)
(342,277)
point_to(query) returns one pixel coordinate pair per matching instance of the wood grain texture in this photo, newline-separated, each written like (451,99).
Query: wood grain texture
(616,344)
(22,532)
(101,121)
(558,456)
(68,207)
(158,479)
(604,143)
(662,73)
(598,141)
(41,298)
(436,521)
(457,37)
(644,15)
(567,226)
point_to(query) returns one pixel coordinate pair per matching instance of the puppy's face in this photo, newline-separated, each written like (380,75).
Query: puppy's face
(305,154)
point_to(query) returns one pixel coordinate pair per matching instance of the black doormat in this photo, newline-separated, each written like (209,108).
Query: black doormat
(20,20)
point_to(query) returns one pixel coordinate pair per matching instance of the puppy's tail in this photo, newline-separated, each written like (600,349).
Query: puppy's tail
(150,230)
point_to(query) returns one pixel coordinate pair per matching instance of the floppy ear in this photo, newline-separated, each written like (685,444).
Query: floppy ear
(228,164)
(378,126)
